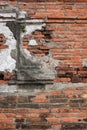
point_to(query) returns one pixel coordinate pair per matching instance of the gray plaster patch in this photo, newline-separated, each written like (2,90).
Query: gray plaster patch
(39,68)
(60,86)
(8,89)
(8,15)
(31,89)
(22,14)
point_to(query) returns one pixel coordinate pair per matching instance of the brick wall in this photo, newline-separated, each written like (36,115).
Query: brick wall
(63,104)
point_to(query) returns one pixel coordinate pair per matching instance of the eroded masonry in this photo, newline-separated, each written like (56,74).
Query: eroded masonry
(43,65)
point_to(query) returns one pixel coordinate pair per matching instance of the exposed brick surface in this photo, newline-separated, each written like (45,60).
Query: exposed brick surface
(72,112)
(2,42)
(56,107)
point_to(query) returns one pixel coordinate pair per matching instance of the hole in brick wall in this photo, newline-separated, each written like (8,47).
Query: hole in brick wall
(85,119)
(2,39)
(46,53)
(47,36)
(1,76)
(79,120)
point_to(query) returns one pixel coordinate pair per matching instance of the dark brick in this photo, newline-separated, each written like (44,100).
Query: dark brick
(28,105)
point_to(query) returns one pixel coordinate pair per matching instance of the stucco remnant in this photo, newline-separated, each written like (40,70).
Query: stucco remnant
(6,60)
(44,67)
(32,42)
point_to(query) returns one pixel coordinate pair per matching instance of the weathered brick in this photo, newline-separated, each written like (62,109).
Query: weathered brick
(72,119)
(52,120)
(40,99)
(65,40)
(62,80)
(22,99)
(55,92)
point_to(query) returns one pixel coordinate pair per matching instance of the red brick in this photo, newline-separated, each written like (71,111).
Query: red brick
(8,76)
(42,93)
(6,120)
(59,115)
(82,115)
(34,119)
(3,46)
(84,95)
(7,126)
(40,99)
(66,22)
(55,92)
(70,119)
(32,115)
(54,110)
(2,115)
(69,91)
(39,111)
(62,80)
(56,126)
(52,120)
(3,82)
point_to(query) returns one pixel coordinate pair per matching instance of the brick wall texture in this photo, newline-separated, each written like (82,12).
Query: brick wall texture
(63,105)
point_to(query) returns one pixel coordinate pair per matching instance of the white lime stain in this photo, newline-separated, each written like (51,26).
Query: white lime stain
(6,61)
